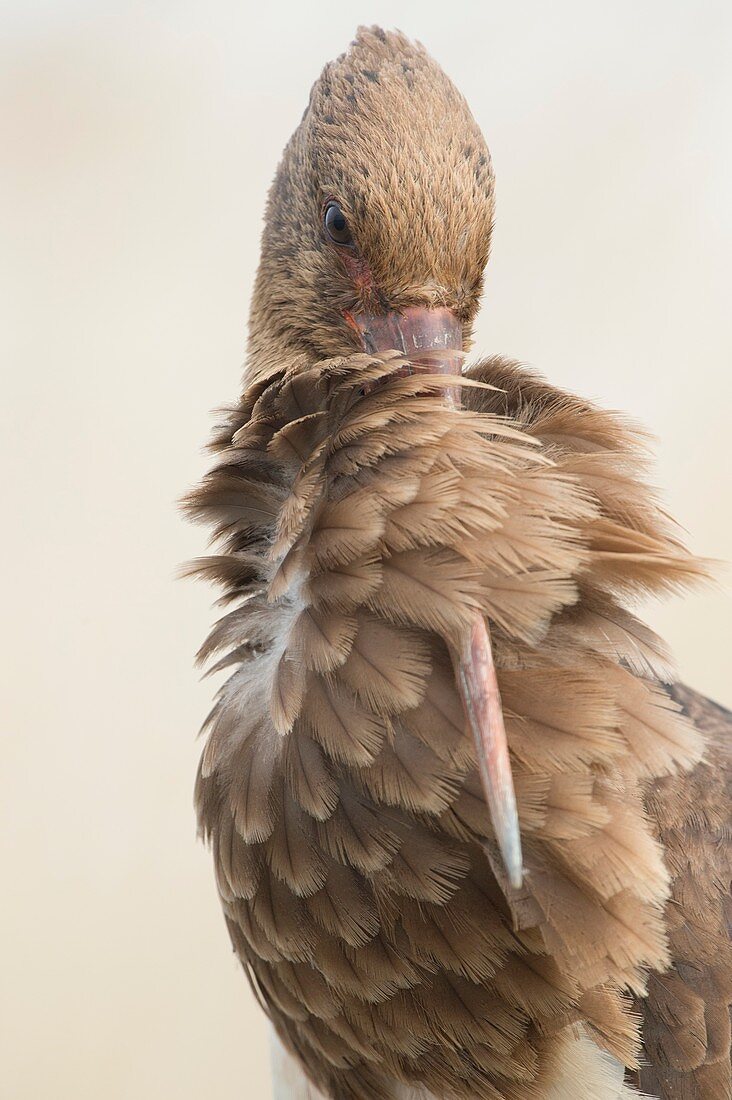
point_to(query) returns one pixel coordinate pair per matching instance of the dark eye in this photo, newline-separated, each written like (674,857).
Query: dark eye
(336,225)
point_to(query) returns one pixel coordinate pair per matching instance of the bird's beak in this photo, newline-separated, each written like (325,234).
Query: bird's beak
(427,337)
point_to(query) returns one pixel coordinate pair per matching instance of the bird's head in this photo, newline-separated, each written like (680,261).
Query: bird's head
(379,220)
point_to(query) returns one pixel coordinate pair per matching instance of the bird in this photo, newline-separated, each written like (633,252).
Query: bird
(470,834)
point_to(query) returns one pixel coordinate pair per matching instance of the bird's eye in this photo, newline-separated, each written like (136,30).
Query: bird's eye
(336,225)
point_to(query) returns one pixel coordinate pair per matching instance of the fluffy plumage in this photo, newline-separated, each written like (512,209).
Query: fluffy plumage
(362,523)
(341,791)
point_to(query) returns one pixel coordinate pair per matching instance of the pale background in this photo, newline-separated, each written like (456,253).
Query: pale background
(137,142)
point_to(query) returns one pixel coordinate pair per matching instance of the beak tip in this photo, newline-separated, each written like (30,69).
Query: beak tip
(516,876)
(510,848)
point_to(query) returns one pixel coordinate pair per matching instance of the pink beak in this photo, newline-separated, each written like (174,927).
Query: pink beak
(419,333)
(426,337)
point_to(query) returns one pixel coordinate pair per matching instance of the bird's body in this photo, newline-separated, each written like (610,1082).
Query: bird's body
(686,1016)
(399,542)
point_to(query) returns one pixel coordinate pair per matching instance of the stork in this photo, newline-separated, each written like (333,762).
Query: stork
(470,835)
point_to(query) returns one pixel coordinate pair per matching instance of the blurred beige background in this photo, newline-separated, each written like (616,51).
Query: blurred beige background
(137,143)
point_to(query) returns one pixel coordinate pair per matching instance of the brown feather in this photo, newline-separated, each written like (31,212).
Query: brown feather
(373,739)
